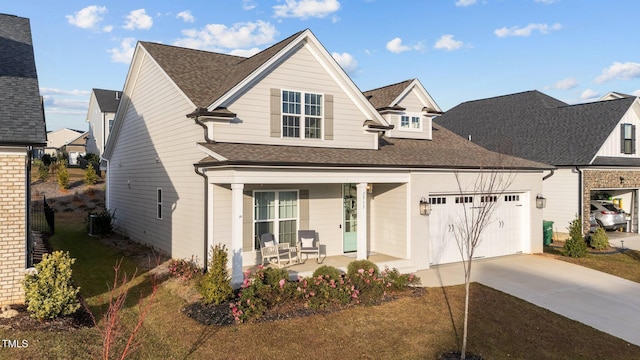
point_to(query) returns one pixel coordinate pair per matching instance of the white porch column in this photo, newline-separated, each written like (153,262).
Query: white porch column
(236,234)
(362,226)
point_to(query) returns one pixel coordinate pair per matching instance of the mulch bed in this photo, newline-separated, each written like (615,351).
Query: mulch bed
(221,314)
(24,322)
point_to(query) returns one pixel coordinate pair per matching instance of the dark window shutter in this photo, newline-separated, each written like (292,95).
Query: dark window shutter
(633,139)
(247,221)
(328,117)
(622,138)
(276,119)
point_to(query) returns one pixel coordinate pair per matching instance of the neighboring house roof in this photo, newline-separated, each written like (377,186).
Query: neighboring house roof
(535,126)
(446,150)
(108,100)
(59,138)
(21,111)
(204,76)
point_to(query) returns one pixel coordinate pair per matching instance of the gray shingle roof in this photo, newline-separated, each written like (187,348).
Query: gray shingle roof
(21,113)
(108,100)
(383,96)
(538,127)
(446,150)
(205,76)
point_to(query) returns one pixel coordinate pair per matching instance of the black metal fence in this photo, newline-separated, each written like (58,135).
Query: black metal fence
(42,216)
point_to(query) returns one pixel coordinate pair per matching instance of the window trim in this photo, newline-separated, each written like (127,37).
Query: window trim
(411,116)
(624,140)
(302,117)
(276,220)
(159,199)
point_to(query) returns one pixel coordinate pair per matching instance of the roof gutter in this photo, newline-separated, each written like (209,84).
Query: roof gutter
(220,113)
(580,191)
(549,175)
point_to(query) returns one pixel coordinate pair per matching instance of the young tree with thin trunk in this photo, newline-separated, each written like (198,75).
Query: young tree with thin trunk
(479,198)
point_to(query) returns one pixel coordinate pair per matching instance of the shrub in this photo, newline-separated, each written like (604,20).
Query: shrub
(321,291)
(90,175)
(397,282)
(215,285)
(49,293)
(354,266)
(184,269)
(63,176)
(261,290)
(328,272)
(47,159)
(91,157)
(575,246)
(599,239)
(43,170)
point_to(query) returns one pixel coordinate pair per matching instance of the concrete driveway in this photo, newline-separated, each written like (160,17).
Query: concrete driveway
(602,301)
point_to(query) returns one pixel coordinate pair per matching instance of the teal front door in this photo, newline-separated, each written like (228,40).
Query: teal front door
(349,226)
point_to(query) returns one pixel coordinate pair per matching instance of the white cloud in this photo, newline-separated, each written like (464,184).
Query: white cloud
(566,84)
(396,46)
(186,16)
(589,95)
(446,42)
(636,93)
(464,3)
(546,2)
(306,8)
(245,52)
(347,61)
(527,30)
(51,91)
(138,19)
(214,37)
(620,71)
(88,17)
(124,54)
(248,5)
(107,28)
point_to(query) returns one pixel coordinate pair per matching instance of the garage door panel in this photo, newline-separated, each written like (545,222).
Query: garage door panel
(502,236)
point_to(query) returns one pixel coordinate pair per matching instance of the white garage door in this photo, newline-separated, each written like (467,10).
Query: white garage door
(503,236)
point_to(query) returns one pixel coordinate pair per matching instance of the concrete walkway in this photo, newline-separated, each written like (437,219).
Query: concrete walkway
(602,301)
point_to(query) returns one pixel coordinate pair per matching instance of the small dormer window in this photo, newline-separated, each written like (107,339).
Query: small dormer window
(410,122)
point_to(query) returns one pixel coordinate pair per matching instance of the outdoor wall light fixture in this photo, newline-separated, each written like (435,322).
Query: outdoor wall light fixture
(369,188)
(621,179)
(425,207)
(541,202)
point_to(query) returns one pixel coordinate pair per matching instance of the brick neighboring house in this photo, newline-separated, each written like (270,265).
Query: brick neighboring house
(22,129)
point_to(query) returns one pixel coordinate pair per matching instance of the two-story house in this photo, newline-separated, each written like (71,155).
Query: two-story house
(210,148)
(22,129)
(593,146)
(103,105)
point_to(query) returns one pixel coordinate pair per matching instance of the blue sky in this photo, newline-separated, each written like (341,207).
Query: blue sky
(461,50)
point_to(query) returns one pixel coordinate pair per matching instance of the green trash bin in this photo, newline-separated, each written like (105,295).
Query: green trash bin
(547,231)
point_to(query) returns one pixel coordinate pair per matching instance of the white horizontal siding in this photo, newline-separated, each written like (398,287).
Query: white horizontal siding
(301,72)
(413,103)
(156,148)
(388,220)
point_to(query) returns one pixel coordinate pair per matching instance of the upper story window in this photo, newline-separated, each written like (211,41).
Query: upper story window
(628,139)
(301,115)
(410,122)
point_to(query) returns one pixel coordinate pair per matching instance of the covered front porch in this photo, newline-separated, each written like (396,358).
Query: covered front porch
(306,267)
(356,214)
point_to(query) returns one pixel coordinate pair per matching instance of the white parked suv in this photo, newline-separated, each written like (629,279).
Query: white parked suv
(608,215)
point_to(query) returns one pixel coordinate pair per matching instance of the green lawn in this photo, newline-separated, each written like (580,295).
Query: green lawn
(501,326)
